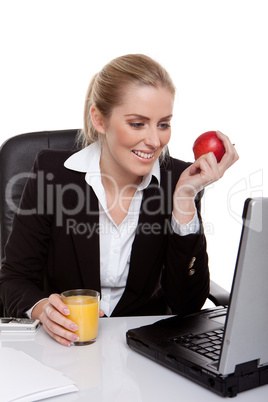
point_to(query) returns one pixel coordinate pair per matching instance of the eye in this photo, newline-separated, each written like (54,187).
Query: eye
(136,125)
(164,126)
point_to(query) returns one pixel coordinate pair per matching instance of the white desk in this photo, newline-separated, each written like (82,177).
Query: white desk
(109,371)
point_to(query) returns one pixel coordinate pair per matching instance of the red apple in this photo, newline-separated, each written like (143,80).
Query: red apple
(208,142)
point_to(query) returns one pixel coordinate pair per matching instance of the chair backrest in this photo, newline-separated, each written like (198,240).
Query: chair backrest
(17,155)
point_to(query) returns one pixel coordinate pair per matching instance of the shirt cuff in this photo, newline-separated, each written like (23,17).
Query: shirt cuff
(29,312)
(191,227)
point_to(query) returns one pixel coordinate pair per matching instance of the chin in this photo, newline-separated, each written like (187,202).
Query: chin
(142,171)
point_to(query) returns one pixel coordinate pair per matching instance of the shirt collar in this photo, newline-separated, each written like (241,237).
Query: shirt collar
(88,161)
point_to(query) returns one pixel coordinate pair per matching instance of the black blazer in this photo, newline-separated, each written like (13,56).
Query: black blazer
(51,248)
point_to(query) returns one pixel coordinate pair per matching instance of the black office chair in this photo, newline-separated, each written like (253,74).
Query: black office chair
(17,155)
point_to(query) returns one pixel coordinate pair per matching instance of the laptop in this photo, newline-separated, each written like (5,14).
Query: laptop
(224,349)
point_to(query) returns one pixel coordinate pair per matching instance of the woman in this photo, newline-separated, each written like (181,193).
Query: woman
(120,216)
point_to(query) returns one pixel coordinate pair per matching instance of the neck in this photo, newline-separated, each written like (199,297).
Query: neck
(112,178)
(119,189)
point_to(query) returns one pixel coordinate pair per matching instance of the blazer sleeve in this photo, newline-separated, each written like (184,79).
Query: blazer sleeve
(21,274)
(185,279)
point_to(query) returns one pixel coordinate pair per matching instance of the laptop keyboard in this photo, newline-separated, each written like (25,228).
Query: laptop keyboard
(207,344)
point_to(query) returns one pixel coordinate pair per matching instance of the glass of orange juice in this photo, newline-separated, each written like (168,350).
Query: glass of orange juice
(84,311)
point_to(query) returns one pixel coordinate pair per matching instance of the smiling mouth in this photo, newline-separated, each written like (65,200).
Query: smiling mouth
(144,155)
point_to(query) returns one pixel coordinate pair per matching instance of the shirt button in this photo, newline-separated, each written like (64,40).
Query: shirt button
(192,263)
(115,250)
(111,279)
(116,236)
(191,272)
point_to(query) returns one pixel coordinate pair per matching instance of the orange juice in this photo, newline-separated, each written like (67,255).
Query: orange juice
(84,311)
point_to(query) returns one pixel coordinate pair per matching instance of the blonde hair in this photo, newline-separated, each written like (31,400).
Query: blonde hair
(106,88)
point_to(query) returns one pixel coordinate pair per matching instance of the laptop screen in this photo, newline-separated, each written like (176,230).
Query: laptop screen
(246,331)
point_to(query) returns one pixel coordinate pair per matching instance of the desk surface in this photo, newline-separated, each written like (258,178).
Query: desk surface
(109,371)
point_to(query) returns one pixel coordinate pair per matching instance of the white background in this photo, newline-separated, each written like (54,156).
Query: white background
(215,51)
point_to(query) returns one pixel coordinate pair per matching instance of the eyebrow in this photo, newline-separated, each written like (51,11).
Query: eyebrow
(147,118)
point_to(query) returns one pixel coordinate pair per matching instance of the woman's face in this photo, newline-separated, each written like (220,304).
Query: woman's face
(137,131)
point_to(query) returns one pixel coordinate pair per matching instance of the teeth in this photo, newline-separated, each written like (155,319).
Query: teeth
(143,154)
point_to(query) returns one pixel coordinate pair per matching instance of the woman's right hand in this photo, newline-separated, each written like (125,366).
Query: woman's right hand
(53,313)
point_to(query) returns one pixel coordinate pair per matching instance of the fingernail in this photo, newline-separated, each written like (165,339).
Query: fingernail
(74,327)
(66,311)
(75,337)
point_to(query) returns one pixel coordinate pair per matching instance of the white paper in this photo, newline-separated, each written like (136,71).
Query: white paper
(24,379)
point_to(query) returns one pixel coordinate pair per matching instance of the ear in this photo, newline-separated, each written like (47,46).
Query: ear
(97,119)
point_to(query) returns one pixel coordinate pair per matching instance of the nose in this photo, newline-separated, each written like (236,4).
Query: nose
(152,140)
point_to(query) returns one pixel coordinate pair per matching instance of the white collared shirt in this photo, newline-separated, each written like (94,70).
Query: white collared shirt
(116,241)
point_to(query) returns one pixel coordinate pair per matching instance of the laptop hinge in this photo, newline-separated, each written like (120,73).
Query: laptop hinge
(248,375)
(245,368)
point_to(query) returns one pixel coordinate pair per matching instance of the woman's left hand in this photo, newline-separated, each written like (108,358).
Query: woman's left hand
(204,171)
